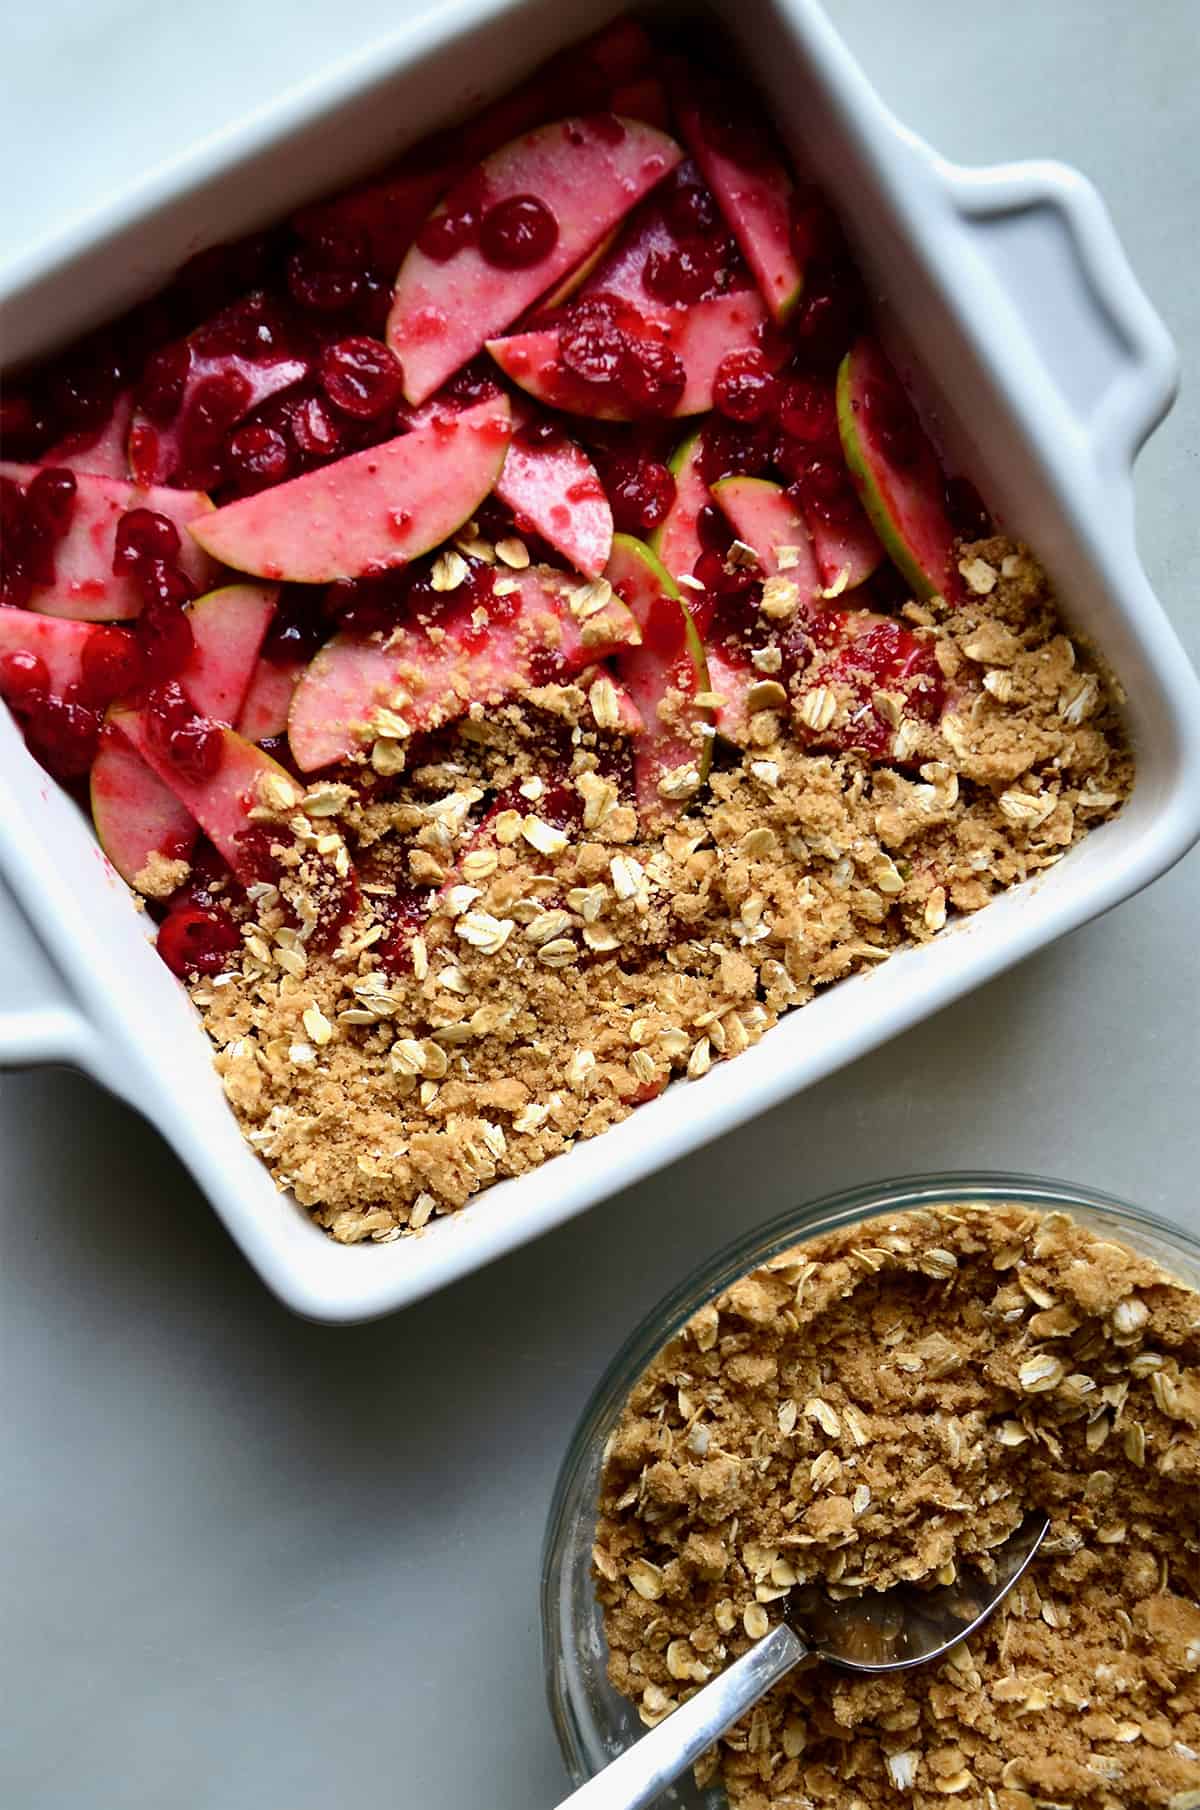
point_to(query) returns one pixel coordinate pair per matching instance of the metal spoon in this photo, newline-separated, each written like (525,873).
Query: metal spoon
(889,1631)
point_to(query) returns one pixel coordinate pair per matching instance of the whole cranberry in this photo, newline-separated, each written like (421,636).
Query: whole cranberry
(143,536)
(652,377)
(24,679)
(689,207)
(807,410)
(640,492)
(165,585)
(50,500)
(166,640)
(592,342)
(256,456)
(743,387)
(110,666)
(320,285)
(63,733)
(723,579)
(194,939)
(314,429)
(164,380)
(361,377)
(517,233)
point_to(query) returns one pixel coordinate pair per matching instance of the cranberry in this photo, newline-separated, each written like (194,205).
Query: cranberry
(689,207)
(541,431)
(63,733)
(592,342)
(255,860)
(191,743)
(476,382)
(772,342)
(361,377)
(807,411)
(110,666)
(143,536)
(194,939)
(251,329)
(24,679)
(894,425)
(967,511)
(517,233)
(298,627)
(730,450)
(815,233)
(641,492)
(320,286)
(652,377)
(724,580)
(824,489)
(165,585)
(712,530)
(257,456)
(217,402)
(166,640)
(743,387)
(687,273)
(827,318)
(314,429)
(444,235)
(50,500)
(363,605)
(164,380)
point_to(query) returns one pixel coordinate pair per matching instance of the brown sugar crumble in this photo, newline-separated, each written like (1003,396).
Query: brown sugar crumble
(573,963)
(886,1403)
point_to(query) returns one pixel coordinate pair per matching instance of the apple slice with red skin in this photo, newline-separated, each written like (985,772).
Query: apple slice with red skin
(529,637)
(700,335)
(102,452)
(265,711)
(676,540)
(763,516)
(896,472)
(667,669)
(586,172)
(375,510)
(750,182)
(85,587)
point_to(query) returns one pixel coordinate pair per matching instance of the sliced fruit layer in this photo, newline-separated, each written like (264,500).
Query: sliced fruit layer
(699,337)
(85,587)
(847,550)
(747,177)
(139,821)
(510,231)
(549,482)
(365,514)
(222,804)
(763,516)
(545,628)
(677,542)
(673,754)
(228,626)
(102,452)
(265,711)
(896,471)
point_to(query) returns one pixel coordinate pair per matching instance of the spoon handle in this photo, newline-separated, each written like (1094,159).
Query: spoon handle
(636,1778)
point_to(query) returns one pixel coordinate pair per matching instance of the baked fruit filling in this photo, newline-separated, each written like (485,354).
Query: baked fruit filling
(517,637)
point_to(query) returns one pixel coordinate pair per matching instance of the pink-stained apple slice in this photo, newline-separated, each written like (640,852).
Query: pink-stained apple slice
(102,452)
(700,336)
(763,516)
(575,279)
(544,629)
(847,552)
(265,711)
(85,587)
(228,626)
(139,821)
(580,176)
(220,805)
(663,676)
(748,178)
(730,676)
(629,717)
(648,248)
(553,485)
(896,472)
(677,540)
(375,510)
(57,641)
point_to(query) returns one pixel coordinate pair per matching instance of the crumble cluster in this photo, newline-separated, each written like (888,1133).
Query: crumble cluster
(886,1403)
(573,963)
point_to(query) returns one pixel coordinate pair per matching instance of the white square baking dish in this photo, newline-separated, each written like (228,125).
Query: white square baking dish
(1051,370)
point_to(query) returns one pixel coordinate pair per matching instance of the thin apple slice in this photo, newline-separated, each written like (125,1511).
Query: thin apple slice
(85,587)
(673,754)
(763,516)
(265,711)
(748,178)
(102,452)
(650,237)
(139,821)
(896,472)
(426,678)
(700,336)
(629,717)
(220,805)
(586,172)
(847,552)
(373,511)
(228,626)
(554,486)
(730,676)
(676,541)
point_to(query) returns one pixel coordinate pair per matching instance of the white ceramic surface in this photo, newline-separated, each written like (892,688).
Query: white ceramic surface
(1051,370)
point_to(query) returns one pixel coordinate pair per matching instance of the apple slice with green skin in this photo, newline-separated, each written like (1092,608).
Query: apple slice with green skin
(265,711)
(661,676)
(101,453)
(585,173)
(751,184)
(700,335)
(375,510)
(676,540)
(763,516)
(529,636)
(896,472)
(85,587)
(220,805)
(136,816)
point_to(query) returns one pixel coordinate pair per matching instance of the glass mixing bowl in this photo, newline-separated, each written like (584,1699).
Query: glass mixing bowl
(594,1722)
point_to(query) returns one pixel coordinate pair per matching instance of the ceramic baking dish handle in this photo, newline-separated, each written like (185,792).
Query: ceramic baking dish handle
(1049,243)
(40,1021)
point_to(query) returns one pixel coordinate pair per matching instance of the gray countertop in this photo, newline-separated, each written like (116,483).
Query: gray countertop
(249,1563)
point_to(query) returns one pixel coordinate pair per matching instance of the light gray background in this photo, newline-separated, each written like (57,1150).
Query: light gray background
(250,1564)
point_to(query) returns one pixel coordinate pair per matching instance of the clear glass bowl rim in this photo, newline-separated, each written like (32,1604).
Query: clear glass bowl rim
(746,1252)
